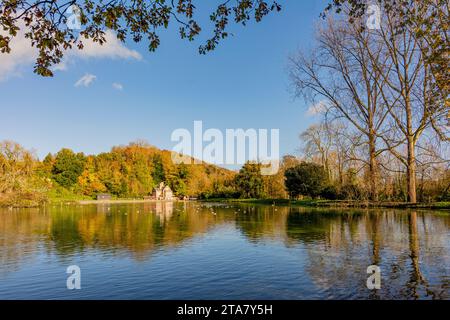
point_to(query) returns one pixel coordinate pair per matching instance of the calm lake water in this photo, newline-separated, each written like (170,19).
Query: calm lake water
(217,251)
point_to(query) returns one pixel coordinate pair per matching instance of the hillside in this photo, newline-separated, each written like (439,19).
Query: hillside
(130,171)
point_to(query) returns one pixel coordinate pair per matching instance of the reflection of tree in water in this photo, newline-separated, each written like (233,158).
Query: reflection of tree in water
(261,222)
(142,229)
(17,244)
(416,277)
(412,249)
(338,257)
(341,245)
(137,229)
(64,235)
(308,225)
(331,242)
(418,285)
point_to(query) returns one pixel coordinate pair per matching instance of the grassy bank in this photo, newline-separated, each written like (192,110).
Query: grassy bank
(337,203)
(62,196)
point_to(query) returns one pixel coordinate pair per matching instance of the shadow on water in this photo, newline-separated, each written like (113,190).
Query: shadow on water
(335,246)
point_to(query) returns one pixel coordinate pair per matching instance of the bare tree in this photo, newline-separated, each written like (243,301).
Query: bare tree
(433,164)
(340,72)
(428,21)
(318,143)
(406,94)
(332,145)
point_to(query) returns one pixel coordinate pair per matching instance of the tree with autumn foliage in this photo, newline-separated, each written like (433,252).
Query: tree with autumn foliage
(45,23)
(21,182)
(249,181)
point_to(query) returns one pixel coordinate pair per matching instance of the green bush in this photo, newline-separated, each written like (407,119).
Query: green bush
(330,193)
(306,179)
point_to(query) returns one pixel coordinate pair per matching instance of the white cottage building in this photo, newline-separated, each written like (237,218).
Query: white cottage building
(163,192)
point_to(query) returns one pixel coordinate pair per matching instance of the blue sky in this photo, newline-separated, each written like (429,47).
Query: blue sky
(242,84)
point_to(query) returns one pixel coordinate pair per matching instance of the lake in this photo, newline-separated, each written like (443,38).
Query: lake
(163,250)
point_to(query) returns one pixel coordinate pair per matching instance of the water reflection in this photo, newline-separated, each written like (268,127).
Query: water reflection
(412,248)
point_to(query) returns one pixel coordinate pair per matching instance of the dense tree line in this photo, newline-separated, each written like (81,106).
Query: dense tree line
(133,171)
(130,171)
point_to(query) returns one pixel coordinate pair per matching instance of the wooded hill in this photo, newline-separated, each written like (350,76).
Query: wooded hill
(130,171)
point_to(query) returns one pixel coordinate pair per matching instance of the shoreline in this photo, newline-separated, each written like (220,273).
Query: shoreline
(342,204)
(338,203)
(124,201)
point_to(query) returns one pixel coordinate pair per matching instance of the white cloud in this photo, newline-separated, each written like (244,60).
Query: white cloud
(318,108)
(85,80)
(117,86)
(113,48)
(21,54)
(24,55)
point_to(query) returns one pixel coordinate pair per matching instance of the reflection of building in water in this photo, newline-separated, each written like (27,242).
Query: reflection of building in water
(158,208)
(162,192)
(164,210)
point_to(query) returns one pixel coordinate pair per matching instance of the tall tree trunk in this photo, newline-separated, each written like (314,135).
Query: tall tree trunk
(372,169)
(341,175)
(411,171)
